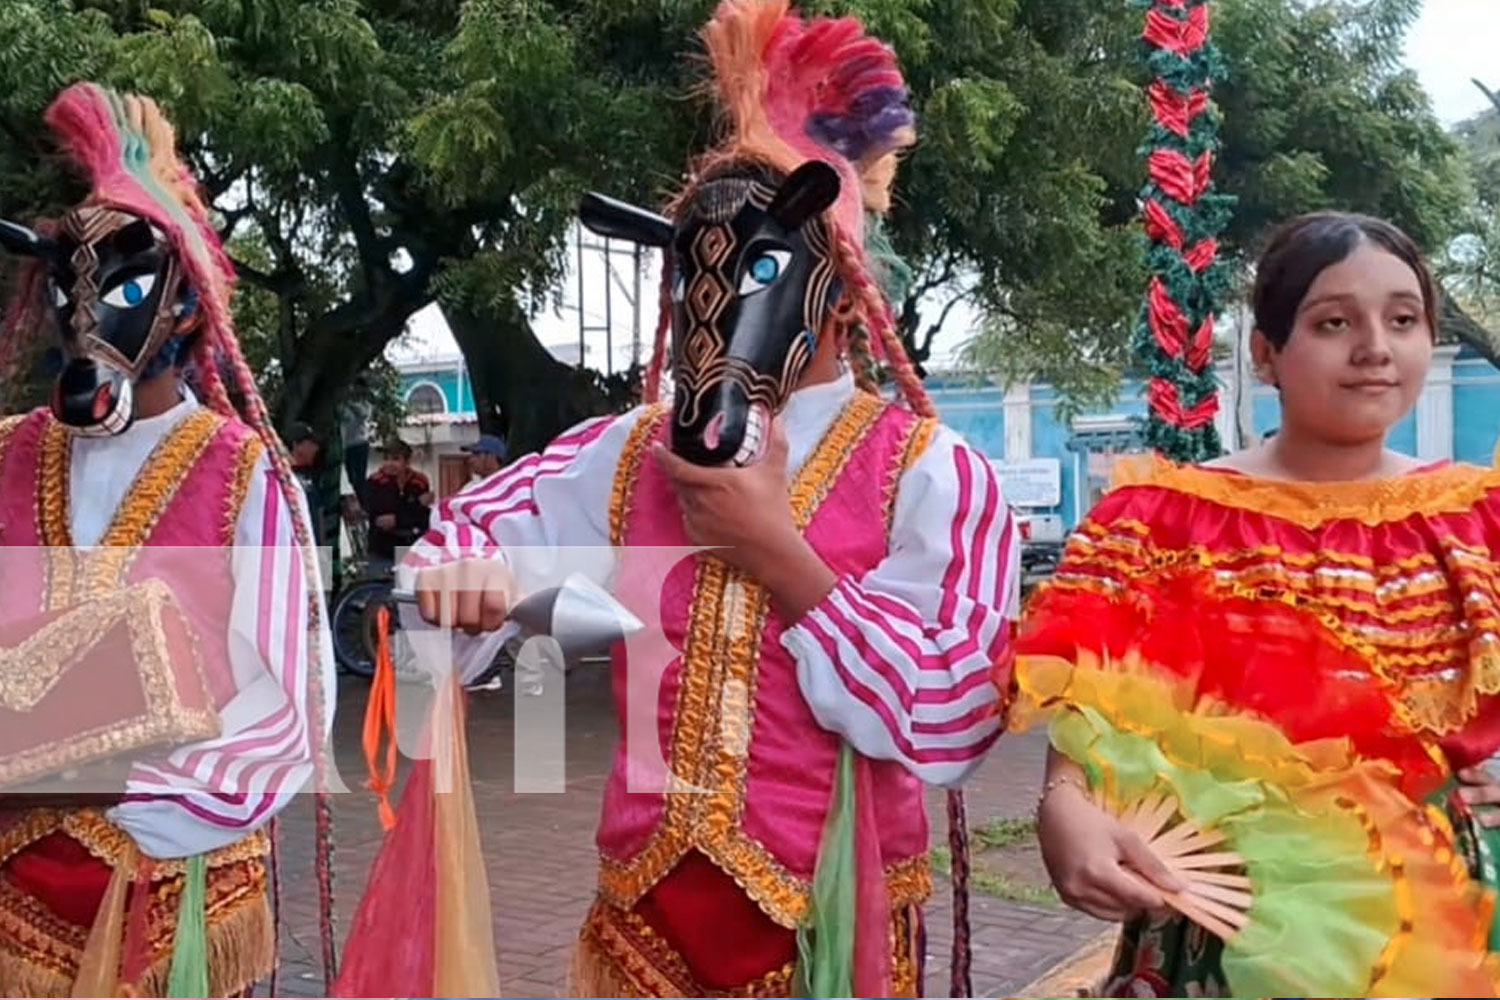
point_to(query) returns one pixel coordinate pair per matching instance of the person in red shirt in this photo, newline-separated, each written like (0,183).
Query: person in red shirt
(399,502)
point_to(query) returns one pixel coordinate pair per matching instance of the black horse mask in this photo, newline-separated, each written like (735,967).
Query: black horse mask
(115,288)
(755,279)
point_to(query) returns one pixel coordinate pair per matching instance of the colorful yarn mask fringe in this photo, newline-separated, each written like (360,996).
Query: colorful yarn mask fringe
(843,946)
(189,975)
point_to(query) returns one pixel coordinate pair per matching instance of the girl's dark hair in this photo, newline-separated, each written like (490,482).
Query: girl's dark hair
(1299,250)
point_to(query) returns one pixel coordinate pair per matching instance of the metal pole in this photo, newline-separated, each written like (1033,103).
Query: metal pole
(609,311)
(635,323)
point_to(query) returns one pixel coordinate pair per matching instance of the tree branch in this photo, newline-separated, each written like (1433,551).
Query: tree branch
(932,330)
(349,189)
(232,220)
(1489,94)
(261,279)
(937,281)
(1458,324)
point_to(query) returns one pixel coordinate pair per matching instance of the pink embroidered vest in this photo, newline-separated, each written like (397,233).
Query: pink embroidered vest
(176,523)
(728,715)
(185,499)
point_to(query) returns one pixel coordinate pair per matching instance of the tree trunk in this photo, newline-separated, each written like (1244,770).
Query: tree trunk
(520,389)
(323,368)
(1457,324)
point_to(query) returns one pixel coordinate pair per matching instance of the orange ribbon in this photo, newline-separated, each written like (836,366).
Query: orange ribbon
(380,720)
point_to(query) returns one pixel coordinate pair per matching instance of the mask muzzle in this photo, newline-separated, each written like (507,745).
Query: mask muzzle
(93,399)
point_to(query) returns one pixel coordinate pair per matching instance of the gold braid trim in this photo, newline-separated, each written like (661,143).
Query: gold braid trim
(909,882)
(105,841)
(629,470)
(918,438)
(153,488)
(241,949)
(1453,489)
(714,720)
(40,953)
(149,496)
(620,955)
(904,943)
(250,454)
(30,671)
(52,488)
(8,427)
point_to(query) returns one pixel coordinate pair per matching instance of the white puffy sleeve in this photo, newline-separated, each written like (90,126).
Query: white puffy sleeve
(208,795)
(899,661)
(545,515)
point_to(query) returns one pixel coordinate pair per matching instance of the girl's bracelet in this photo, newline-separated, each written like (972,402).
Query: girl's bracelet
(1058,782)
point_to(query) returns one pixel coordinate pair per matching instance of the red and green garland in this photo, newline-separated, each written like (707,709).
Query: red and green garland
(1183,216)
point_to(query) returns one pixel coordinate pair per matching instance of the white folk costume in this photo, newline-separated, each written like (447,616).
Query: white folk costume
(177,543)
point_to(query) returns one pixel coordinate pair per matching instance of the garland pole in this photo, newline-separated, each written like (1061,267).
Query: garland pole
(1174,337)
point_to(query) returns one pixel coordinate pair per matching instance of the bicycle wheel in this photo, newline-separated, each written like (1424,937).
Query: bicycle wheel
(354,621)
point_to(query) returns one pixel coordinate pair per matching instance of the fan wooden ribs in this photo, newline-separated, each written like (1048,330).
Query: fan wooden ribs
(1215,899)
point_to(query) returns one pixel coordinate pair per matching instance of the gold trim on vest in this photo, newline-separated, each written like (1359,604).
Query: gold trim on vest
(713,719)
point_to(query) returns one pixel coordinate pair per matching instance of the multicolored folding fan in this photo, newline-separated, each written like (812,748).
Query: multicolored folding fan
(1319,874)
(1217,894)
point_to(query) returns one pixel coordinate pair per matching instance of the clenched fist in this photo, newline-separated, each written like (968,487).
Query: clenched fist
(474,595)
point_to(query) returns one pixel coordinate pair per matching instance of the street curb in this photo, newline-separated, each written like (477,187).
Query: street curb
(1079,973)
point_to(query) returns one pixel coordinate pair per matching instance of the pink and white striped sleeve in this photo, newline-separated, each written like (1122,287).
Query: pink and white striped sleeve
(567,480)
(899,661)
(545,515)
(208,795)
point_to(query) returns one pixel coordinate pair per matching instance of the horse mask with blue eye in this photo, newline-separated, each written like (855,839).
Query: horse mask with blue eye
(754,280)
(115,289)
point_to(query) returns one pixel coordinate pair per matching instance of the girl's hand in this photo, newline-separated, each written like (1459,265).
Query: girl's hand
(1480,789)
(1096,864)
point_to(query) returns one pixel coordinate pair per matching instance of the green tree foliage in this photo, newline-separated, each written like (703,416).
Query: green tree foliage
(1317,113)
(370,157)
(1471,268)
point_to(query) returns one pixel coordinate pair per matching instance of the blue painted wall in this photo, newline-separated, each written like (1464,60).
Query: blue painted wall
(1476,421)
(453,382)
(975,409)
(1476,410)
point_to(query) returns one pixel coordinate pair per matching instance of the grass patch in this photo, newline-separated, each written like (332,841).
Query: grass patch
(999,833)
(1005,862)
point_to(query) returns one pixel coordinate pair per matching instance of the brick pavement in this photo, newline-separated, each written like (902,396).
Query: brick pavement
(541,863)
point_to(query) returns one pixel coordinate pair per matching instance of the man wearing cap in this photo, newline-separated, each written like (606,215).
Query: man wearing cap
(399,502)
(486,457)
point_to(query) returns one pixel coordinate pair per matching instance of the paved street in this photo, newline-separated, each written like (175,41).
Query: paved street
(541,860)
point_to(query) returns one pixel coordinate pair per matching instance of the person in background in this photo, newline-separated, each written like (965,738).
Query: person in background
(398,500)
(356,436)
(486,457)
(306,450)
